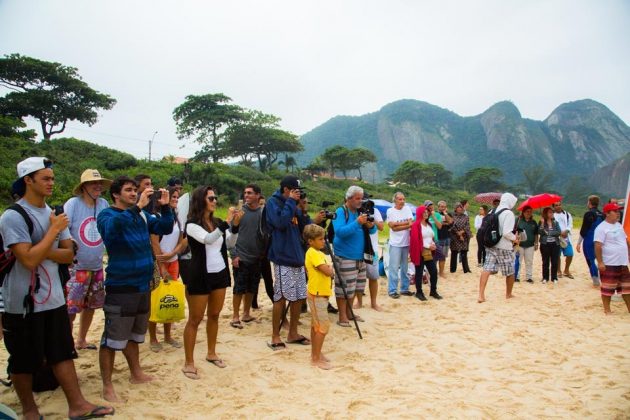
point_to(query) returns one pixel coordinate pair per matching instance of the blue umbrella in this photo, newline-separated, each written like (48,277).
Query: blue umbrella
(382,206)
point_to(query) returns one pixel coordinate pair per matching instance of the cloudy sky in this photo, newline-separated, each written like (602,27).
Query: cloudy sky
(307,61)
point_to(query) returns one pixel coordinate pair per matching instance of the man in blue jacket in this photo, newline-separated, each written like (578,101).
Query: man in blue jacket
(352,237)
(287,255)
(125,229)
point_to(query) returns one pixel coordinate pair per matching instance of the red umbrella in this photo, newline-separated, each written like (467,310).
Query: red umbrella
(488,198)
(540,200)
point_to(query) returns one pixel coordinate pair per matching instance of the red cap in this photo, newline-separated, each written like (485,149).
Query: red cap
(611,207)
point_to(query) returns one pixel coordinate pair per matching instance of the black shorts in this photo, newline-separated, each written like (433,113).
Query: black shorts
(208,283)
(37,338)
(126,318)
(246,277)
(184,270)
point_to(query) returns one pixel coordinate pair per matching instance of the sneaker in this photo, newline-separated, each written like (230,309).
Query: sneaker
(394,296)
(421,297)
(544,282)
(435,295)
(555,281)
(530,281)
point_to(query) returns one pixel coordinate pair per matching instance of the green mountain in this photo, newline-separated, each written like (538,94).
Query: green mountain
(576,139)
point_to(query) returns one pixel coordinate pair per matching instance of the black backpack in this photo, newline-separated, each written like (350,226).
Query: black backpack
(264,231)
(7,259)
(330,230)
(489,232)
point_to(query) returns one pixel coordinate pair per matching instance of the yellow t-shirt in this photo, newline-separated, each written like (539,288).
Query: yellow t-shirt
(319,284)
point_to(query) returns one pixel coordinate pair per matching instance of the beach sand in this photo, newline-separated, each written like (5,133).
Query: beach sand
(549,352)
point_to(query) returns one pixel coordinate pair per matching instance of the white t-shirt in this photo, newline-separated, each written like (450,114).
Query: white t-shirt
(169,242)
(565,221)
(400,238)
(614,243)
(478,221)
(374,236)
(427,235)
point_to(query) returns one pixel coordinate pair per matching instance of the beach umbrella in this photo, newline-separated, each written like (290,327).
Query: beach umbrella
(540,200)
(488,198)
(382,206)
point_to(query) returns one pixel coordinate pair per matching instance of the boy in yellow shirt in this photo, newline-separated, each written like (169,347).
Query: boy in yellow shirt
(319,288)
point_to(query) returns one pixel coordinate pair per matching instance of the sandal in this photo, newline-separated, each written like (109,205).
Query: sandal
(569,276)
(236,324)
(344,324)
(302,340)
(190,374)
(277,346)
(175,343)
(155,347)
(217,362)
(359,319)
(248,320)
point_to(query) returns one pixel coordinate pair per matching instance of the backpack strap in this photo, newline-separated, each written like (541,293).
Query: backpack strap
(29,223)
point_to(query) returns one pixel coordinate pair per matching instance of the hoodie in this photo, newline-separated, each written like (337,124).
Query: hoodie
(415,238)
(286,244)
(506,221)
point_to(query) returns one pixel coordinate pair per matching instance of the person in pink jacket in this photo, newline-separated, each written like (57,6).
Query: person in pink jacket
(422,250)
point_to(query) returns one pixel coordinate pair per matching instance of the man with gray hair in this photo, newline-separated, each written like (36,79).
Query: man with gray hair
(399,219)
(353,249)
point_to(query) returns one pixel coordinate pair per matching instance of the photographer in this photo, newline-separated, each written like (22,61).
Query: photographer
(287,255)
(353,247)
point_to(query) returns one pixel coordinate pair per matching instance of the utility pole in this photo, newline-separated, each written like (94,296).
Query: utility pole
(150,144)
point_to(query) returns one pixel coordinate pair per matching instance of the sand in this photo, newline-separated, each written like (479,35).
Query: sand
(549,352)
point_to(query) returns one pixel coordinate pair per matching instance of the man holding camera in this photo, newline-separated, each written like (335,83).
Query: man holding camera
(125,228)
(287,255)
(353,247)
(36,324)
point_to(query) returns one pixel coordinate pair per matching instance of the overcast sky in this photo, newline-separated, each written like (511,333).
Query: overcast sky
(308,61)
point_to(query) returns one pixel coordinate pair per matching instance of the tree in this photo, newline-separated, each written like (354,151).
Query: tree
(49,92)
(315,167)
(536,180)
(257,135)
(482,180)
(288,162)
(358,157)
(418,173)
(10,127)
(335,158)
(205,118)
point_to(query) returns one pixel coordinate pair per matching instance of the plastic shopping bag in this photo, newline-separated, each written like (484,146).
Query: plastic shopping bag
(168,302)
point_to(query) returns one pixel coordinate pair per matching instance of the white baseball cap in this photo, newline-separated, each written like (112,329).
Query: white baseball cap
(32,164)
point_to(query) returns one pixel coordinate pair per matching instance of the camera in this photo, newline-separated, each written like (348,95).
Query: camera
(367,207)
(328,215)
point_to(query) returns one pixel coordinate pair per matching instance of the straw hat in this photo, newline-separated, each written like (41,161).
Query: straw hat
(90,175)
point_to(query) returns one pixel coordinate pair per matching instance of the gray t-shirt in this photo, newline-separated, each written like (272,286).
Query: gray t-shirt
(248,246)
(83,229)
(16,284)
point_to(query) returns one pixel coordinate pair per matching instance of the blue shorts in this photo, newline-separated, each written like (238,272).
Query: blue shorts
(568,251)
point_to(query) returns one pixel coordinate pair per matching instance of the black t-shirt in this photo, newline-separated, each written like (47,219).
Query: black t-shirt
(443,231)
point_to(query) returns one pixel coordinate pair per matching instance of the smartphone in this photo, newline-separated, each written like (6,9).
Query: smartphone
(155,197)
(58,210)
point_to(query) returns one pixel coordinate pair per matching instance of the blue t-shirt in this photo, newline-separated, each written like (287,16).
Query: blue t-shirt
(349,239)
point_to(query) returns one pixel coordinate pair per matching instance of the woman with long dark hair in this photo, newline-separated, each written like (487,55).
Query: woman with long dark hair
(460,238)
(208,237)
(549,231)
(422,252)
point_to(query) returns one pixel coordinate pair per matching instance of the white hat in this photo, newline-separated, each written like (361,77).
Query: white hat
(32,164)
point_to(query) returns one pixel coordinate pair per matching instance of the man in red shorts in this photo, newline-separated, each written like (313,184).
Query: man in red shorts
(611,252)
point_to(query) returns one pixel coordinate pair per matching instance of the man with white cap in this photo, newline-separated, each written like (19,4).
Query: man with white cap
(36,324)
(85,290)
(501,256)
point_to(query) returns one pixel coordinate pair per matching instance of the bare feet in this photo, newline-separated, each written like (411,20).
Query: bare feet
(323,357)
(322,364)
(607,313)
(481,299)
(510,296)
(110,395)
(357,305)
(140,378)
(377,307)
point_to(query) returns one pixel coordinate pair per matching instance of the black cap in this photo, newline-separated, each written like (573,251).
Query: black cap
(173,181)
(291,182)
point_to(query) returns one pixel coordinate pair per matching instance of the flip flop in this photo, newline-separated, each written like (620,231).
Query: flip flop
(155,347)
(359,319)
(190,374)
(236,324)
(344,324)
(302,340)
(247,321)
(217,362)
(89,346)
(569,276)
(94,414)
(277,346)
(175,343)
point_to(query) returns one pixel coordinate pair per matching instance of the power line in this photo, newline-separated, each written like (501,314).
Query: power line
(122,137)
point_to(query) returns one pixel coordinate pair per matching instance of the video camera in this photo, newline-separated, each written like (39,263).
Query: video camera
(328,214)
(367,207)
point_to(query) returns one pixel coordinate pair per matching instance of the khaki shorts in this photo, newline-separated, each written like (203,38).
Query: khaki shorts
(319,313)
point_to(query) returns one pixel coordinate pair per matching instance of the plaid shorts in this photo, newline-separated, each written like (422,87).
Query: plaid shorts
(499,259)
(615,278)
(353,274)
(290,283)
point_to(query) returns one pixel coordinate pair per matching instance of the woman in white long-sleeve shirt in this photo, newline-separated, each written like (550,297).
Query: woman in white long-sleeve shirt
(208,238)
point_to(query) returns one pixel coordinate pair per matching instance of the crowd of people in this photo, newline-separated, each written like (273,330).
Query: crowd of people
(275,239)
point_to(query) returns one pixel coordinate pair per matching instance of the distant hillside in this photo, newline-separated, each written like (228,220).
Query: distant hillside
(576,139)
(612,179)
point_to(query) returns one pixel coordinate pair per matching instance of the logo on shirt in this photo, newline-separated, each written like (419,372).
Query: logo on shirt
(88,233)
